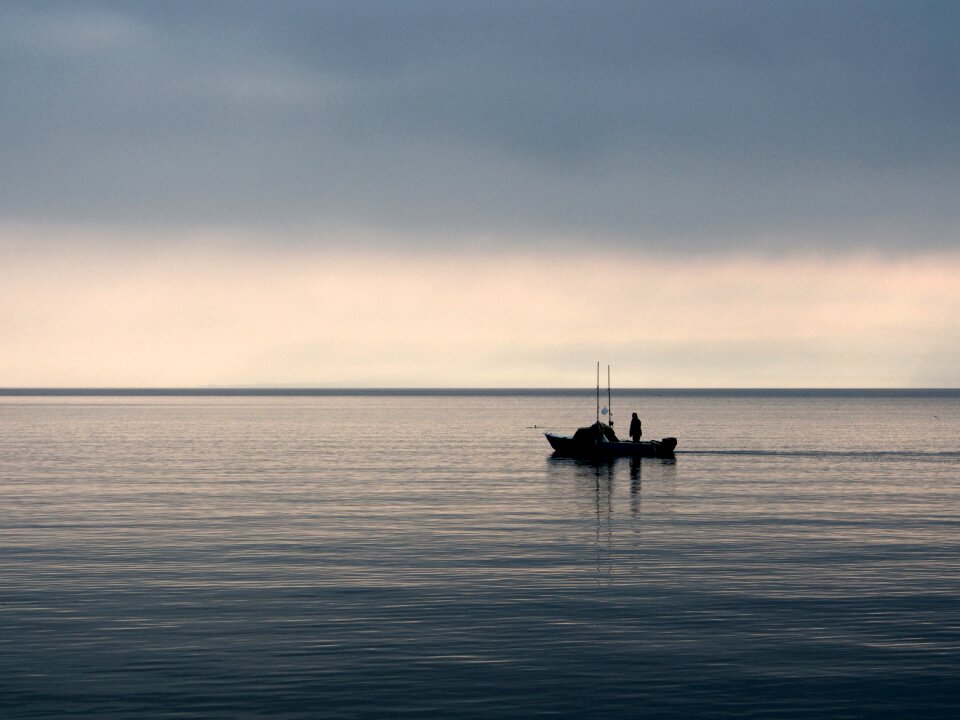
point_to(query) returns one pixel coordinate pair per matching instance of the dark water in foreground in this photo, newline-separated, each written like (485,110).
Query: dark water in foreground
(419,556)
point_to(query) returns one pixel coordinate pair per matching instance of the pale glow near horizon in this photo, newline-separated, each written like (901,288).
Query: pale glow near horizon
(175,315)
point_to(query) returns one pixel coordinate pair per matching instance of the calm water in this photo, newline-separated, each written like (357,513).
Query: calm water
(394,556)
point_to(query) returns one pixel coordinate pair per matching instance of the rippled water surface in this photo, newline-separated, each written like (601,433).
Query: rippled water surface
(425,556)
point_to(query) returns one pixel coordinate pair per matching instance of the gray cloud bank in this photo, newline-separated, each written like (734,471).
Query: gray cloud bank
(750,125)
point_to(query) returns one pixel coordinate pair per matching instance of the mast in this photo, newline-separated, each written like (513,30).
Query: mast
(598,391)
(609,404)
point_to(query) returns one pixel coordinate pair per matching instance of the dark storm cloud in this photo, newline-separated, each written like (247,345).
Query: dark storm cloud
(701,123)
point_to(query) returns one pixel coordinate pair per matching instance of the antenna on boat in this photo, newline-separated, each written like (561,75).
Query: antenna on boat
(598,391)
(609,404)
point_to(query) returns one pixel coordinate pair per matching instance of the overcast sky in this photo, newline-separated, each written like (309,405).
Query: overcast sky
(805,152)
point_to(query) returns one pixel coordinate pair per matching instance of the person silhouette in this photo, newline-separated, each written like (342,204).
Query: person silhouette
(635,428)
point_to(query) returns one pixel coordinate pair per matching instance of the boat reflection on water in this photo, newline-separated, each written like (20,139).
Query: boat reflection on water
(601,474)
(609,494)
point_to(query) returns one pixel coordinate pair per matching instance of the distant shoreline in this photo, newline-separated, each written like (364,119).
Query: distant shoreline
(476,392)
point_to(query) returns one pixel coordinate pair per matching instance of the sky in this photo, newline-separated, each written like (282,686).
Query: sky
(480,194)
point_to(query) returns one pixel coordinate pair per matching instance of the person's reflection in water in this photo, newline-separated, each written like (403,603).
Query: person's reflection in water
(635,485)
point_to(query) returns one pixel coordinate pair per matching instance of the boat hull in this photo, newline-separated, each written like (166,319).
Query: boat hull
(570,447)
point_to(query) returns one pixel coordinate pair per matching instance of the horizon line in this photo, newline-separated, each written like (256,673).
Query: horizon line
(306,391)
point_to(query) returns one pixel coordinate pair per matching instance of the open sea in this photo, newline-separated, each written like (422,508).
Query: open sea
(390,555)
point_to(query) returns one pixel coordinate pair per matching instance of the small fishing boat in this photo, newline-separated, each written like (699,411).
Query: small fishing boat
(595,442)
(600,441)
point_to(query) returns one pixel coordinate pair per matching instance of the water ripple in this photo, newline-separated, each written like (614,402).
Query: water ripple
(229,557)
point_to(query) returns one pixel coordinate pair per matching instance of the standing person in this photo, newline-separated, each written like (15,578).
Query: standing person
(635,429)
